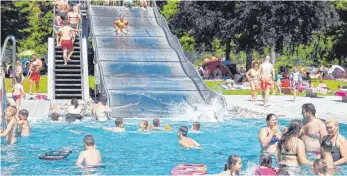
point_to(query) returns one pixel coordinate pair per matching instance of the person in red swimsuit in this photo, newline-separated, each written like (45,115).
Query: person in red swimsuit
(34,73)
(120,25)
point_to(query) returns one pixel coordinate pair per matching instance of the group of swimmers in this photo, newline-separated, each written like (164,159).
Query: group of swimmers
(17,124)
(91,157)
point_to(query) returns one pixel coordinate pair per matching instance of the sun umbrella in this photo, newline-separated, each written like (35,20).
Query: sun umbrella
(26,53)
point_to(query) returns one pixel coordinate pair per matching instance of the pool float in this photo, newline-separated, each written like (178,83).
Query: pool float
(56,155)
(189,169)
(168,127)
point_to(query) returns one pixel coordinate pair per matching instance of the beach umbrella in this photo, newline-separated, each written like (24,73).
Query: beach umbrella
(27,53)
(337,71)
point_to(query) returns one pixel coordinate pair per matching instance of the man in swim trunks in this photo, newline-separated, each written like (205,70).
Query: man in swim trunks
(339,151)
(90,156)
(267,77)
(313,129)
(65,33)
(120,25)
(119,126)
(34,73)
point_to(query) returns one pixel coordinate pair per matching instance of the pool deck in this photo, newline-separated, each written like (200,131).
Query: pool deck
(284,106)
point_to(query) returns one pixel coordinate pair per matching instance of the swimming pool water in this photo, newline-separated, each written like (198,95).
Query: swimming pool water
(133,152)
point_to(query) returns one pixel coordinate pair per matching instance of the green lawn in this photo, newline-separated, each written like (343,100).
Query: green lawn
(43,84)
(215,85)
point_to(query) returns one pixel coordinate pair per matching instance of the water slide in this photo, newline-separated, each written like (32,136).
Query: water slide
(145,73)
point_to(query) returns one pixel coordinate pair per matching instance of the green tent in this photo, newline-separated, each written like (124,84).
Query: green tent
(27,53)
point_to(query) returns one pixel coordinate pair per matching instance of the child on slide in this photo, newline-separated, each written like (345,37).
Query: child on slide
(120,25)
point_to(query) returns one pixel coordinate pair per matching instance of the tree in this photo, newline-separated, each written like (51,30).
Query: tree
(205,21)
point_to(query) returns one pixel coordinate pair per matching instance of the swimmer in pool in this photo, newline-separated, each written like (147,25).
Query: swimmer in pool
(269,136)
(186,141)
(232,166)
(144,126)
(11,128)
(90,156)
(157,127)
(119,126)
(23,122)
(196,127)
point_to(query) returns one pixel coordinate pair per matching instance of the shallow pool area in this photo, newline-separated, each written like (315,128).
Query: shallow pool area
(133,152)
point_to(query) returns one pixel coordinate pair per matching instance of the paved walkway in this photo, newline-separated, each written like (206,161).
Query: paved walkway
(327,107)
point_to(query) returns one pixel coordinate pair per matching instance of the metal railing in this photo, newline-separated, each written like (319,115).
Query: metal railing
(188,67)
(3,89)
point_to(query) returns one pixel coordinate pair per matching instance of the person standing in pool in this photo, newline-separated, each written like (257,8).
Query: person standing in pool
(339,150)
(90,156)
(11,129)
(119,126)
(291,149)
(186,141)
(157,127)
(101,110)
(267,77)
(313,130)
(269,136)
(23,122)
(196,127)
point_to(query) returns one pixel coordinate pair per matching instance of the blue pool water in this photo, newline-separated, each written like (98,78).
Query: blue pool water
(154,153)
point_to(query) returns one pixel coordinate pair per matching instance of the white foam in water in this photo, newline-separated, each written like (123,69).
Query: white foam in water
(251,167)
(200,112)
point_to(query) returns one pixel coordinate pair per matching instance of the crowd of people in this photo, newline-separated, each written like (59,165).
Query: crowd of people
(67,22)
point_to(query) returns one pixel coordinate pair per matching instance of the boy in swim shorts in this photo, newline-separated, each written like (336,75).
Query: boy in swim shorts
(119,126)
(90,156)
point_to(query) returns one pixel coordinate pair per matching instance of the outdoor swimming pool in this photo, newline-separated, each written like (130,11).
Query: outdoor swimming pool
(132,152)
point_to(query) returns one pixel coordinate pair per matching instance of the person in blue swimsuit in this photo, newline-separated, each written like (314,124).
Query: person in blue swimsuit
(270,135)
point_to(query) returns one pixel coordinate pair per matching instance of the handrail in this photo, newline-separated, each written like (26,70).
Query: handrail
(10,37)
(181,56)
(96,55)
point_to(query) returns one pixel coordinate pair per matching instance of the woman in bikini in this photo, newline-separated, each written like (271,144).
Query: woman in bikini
(74,19)
(291,149)
(269,136)
(253,78)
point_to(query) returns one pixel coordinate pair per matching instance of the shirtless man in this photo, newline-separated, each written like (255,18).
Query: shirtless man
(90,156)
(34,73)
(24,123)
(314,130)
(339,151)
(119,126)
(267,77)
(186,141)
(65,33)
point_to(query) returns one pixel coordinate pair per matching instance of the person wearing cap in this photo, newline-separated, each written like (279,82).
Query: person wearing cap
(339,149)
(267,77)
(90,156)
(101,110)
(186,141)
(23,122)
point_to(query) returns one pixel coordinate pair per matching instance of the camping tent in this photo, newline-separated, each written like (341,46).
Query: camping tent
(336,72)
(212,66)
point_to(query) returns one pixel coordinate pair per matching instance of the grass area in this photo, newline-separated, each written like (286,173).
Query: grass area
(42,88)
(43,84)
(215,85)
